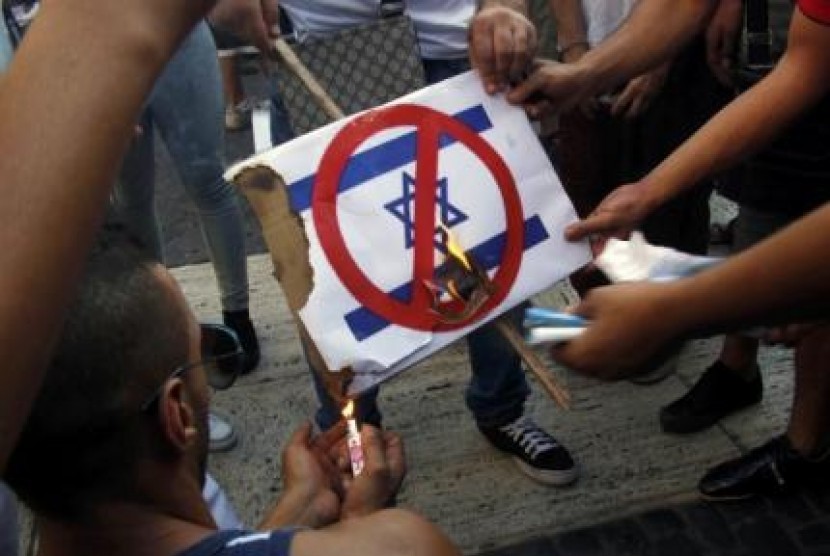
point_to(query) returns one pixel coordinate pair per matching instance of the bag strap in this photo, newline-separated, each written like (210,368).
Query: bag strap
(391,8)
(757,34)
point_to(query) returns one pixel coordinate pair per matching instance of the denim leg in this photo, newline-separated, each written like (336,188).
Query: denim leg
(281,130)
(328,413)
(133,197)
(187,107)
(439,69)
(498,389)
(9,538)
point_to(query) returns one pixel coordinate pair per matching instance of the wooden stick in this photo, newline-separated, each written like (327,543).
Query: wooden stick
(556,391)
(298,68)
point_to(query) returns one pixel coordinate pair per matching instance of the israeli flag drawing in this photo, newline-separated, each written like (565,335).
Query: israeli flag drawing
(374,192)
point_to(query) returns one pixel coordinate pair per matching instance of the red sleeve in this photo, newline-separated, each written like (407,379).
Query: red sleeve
(819,10)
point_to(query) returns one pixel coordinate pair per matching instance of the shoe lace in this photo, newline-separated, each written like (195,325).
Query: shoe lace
(532,439)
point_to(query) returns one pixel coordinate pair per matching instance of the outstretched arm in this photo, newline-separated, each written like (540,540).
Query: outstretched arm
(750,122)
(783,279)
(68,105)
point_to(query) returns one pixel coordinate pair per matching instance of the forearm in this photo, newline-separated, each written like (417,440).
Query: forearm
(291,510)
(68,104)
(752,120)
(782,279)
(383,533)
(653,33)
(569,21)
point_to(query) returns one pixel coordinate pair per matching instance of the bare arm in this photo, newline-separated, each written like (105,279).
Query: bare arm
(383,533)
(651,35)
(571,28)
(68,104)
(783,279)
(799,80)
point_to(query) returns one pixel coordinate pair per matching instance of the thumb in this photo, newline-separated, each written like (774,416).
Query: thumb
(271,16)
(301,436)
(602,223)
(522,93)
(372,441)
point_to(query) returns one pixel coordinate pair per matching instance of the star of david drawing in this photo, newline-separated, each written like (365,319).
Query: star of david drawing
(402,209)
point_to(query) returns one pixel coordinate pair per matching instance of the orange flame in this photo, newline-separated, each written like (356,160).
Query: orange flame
(348,411)
(455,248)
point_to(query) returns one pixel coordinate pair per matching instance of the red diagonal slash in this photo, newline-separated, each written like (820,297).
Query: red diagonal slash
(431,124)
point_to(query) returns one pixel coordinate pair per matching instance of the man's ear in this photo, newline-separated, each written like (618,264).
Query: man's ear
(176,415)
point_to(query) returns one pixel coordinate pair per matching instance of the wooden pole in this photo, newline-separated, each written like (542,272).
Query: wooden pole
(556,391)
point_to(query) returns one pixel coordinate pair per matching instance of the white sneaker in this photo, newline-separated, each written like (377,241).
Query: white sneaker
(222,434)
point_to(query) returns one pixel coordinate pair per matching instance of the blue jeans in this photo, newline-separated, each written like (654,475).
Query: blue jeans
(186,105)
(498,388)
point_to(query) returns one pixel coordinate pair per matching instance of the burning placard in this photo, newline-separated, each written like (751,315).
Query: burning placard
(375,196)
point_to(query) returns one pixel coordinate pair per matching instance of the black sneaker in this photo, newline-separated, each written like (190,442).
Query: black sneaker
(773,468)
(719,392)
(537,453)
(240,322)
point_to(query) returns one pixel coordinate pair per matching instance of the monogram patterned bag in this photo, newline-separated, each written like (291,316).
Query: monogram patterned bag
(360,67)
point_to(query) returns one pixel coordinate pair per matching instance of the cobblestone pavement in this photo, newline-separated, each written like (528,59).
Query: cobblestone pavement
(787,525)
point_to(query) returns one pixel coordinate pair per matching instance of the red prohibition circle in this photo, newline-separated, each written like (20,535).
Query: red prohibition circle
(431,125)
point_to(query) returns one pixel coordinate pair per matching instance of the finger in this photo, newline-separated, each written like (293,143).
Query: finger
(503,54)
(601,223)
(481,49)
(724,72)
(328,439)
(532,46)
(271,17)
(301,436)
(373,451)
(259,31)
(538,109)
(597,244)
(521,55)
(395,457)
(522,92)
(623,101)
(567,354)
(638,106)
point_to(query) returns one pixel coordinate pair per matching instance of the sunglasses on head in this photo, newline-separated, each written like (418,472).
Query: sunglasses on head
(222,359)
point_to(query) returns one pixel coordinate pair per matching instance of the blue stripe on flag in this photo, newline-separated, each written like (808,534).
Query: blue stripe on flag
(364,323)
(384,158)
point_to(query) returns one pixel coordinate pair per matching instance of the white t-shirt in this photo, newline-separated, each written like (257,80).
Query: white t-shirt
(604,16)
(441,24)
